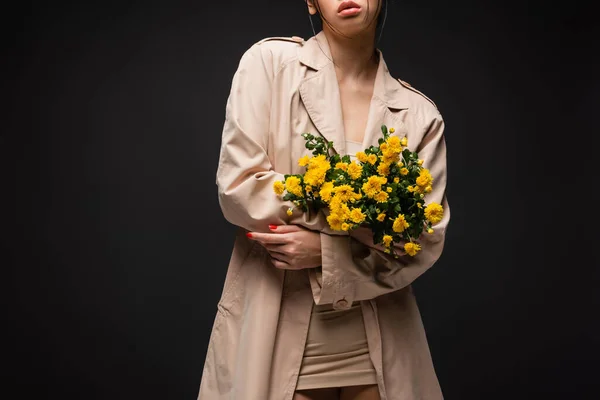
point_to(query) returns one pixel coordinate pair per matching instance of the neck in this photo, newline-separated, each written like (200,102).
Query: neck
(354,58)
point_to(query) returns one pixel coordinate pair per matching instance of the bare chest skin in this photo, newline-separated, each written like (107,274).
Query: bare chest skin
(356,100)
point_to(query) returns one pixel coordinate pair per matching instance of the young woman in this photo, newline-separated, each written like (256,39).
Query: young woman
(308,313)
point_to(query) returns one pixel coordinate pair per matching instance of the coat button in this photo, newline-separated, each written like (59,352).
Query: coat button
(342,303)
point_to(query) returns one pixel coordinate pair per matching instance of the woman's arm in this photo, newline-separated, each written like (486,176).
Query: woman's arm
(245,175)
(353,271)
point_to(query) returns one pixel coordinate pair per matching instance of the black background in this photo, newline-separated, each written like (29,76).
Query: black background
(116,247)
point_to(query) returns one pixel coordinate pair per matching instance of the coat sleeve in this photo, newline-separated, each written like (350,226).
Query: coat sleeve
(352,270)
(245,175)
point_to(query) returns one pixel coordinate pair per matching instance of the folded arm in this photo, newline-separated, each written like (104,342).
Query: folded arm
(245,175)
(358,270)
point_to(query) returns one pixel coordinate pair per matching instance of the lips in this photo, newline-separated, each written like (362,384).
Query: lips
(347,5)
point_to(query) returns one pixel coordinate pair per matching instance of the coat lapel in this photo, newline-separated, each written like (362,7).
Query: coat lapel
(321,97)
(320,94)
(384,106)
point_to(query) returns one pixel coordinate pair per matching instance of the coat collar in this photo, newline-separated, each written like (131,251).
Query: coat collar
(321,97)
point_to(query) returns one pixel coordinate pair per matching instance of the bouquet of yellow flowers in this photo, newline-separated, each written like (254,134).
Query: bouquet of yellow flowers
(383,189)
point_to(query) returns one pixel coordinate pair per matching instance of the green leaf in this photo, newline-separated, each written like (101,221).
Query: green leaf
(384,129)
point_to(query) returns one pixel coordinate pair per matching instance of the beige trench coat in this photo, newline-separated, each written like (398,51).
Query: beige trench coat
(282,88)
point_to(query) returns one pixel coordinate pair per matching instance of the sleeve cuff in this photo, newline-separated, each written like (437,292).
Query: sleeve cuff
(331,283)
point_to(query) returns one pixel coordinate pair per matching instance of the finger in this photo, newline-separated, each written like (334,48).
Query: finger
(285,228)
(280,264)
(279,256)
(272,238)
(278,247)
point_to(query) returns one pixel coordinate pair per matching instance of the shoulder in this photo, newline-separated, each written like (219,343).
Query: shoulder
(275,51)
(418,97)
(275,41)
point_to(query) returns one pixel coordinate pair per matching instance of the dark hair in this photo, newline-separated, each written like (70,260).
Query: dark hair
(382,5)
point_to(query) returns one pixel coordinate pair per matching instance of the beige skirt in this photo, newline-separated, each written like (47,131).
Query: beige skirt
(336,352)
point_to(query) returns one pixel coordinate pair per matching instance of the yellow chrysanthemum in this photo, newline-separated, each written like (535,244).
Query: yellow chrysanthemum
(428,189)
(381,217)
(412,248)
(361,156)
(303,161)
(425,179)
(346,193)
(394,149)
(390,157)
(354,170)
(383,169)
(317,169)
(373,185)
(369,189)
(387,240)
(434,213)
(335,222)
(420,162)
(394,142)
(341,165)
(335,203)
(357,216)
(411,188)
(404,141)
(400,224)
(344,211)
(326,191)
(318,161)
(292,185)
(372,159)
(389,189)
(392,130)
(311,177)
(278,187)
(345,226)
(381,197)
(396,180)
(419,205)
(289,211)
(404,171)
(339,208)
(429,230)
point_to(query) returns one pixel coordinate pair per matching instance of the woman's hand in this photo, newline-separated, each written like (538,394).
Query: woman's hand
(291,246)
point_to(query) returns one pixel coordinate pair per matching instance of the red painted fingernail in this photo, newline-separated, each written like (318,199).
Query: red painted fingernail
(271,226)
(249,234)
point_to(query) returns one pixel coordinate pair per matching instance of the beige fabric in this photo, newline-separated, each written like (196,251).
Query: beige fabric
(336,353)
(281,89)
